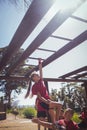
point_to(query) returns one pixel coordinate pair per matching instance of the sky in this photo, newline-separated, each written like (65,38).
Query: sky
(10,18)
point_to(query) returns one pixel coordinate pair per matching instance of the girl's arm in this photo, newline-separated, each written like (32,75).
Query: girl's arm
(43,123)
(43,99)
(40,68)
(46,124)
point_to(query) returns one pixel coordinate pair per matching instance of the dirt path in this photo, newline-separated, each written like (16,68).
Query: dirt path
(17,124)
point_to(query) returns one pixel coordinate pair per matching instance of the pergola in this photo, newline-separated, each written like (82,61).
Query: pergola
(32,18)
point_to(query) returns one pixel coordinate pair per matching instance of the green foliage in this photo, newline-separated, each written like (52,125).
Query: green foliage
(9,111)
(29,112)
(7,86)
(21,112)
(76,118)
(54,95)
(72,94)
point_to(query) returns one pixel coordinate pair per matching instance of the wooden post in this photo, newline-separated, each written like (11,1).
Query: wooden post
(46,84)
(49,120)
(38,127)
(85,86)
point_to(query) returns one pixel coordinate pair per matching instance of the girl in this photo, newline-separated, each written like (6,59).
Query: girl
(44,104)
(38,87)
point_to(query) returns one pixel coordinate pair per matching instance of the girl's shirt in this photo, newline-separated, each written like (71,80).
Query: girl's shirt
(70,125)
(41,88)
(84,117)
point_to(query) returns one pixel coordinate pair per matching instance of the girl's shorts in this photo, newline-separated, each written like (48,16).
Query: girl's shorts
(44,105)
(41,114)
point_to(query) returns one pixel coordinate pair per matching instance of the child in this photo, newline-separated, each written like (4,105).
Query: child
(83,117)
(39,88)
(63,124)
(61,116)
(67,121)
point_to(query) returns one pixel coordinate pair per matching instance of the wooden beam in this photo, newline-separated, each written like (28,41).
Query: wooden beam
(46,50)
(33,58)
(74,72)
(80,75)
(62,38)
(14,78)
(78,40)
(33,16)
(79,19)
(57,20)
(63,80)
(45,79)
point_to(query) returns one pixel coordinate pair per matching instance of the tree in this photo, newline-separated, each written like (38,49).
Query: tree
(76,95)
(54,94)
(7,86)
(72,94)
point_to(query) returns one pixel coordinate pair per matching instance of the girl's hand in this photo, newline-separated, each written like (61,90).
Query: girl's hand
(39,61)
(40,67)
(39,95)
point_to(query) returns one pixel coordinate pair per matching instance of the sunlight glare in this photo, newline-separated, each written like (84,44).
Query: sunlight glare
(59,5)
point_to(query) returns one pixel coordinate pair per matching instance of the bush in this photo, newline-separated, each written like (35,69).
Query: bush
(9,111)
(29,112)
(21,112)
(76,118)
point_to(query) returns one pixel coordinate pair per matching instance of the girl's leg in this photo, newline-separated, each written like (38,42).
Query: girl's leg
(54,110)
(54,104)
(52,114)
(35,120)
(42,122)
(46,124)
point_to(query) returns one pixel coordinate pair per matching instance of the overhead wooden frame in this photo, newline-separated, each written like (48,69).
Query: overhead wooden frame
(78,40)
(26,27)
(76,72)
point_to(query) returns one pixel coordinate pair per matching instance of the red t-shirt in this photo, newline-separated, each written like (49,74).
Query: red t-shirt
(84,117)
(70,125)
(41,88)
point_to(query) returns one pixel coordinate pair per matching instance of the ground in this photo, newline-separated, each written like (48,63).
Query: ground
(17,124)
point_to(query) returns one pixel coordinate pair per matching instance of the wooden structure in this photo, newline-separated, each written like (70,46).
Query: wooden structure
(32,18)
(2,109)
